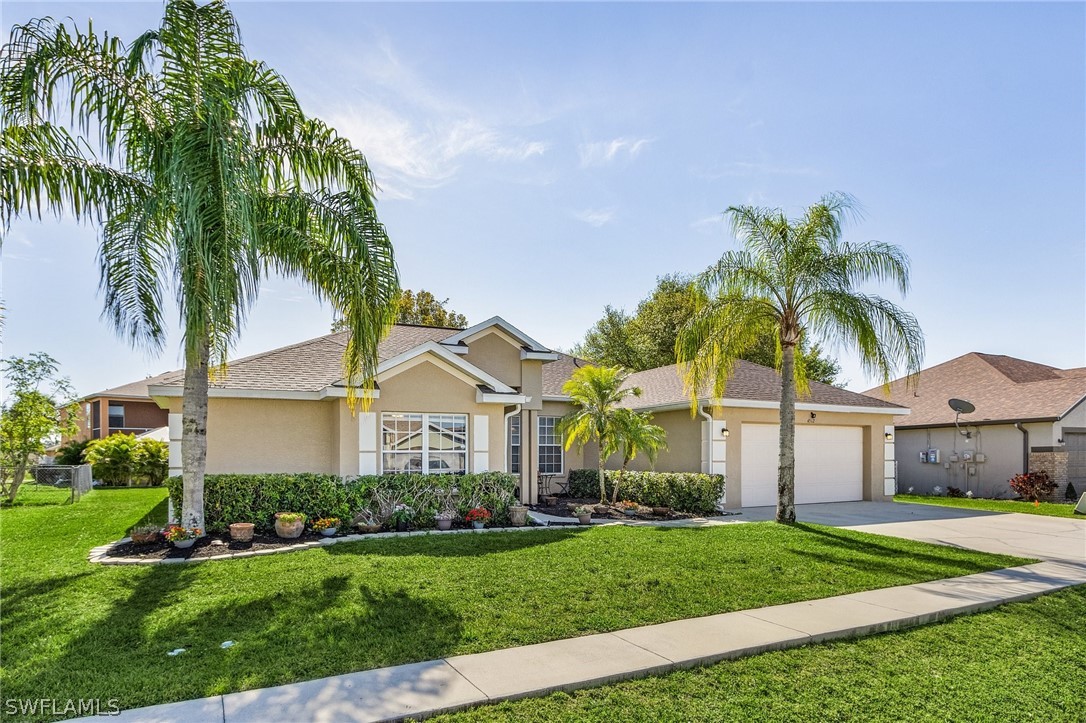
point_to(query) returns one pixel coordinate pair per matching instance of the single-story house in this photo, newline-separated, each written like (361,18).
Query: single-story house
(489,398)
(1028,417)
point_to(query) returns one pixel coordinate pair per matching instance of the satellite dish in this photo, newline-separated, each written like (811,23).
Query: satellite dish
(961,406)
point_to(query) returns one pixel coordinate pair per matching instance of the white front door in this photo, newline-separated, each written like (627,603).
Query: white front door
(829,464)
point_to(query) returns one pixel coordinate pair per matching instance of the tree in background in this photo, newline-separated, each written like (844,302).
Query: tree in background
(71,453)
(40,407)
(794,278)
(646,339)
(206,176)
(420,308)
(635,433)
(595,393)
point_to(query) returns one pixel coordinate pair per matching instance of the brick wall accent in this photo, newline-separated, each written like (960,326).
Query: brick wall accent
(1053,461)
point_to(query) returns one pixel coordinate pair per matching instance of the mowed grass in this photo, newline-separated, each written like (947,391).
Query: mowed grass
(1020,662)
(76,630)
(1049,509)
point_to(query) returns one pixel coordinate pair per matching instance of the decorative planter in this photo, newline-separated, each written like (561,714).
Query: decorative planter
(328,532)
(550,500)
(184,544)
(518,515)
(289,531)
(444,524)
(477,525)
(241,532)
(661,511)
(585,519)
(369,528)
(631,511)
(146,538)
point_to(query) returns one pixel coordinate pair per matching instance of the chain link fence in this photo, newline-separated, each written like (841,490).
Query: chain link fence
(75,478)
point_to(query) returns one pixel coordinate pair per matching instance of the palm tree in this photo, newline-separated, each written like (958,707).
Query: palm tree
(206,176)
(797,278)
(635,433)
(595,393)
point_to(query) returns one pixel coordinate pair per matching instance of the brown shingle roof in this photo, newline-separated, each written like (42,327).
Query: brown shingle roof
(1002,388)
(556,373)
(664,387)
(132,389)
(312,365)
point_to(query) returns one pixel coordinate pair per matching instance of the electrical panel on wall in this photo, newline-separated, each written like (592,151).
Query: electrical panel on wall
(967,455)
(933,456)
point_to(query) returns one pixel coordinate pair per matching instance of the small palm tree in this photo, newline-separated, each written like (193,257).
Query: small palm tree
(596,393)
(796,278)
(206,177)
(635,433)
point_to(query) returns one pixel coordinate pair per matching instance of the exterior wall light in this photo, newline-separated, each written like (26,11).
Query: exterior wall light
(724,432)
(889,436)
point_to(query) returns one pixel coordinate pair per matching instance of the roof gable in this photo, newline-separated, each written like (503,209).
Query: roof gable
(517,336)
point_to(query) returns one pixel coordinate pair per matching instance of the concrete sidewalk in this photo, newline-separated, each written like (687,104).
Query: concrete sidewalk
(422,689)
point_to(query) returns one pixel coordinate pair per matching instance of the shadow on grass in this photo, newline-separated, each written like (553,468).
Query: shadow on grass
(154,516)
(463,545)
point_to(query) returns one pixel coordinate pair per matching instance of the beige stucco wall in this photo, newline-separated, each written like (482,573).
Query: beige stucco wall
(492,353)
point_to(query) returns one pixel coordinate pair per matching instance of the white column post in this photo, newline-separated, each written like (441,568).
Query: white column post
(480,443)
(367,443)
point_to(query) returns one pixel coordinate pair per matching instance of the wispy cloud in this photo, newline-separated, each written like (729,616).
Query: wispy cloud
(596,216)
(749,168)
(601,153)
(707,222)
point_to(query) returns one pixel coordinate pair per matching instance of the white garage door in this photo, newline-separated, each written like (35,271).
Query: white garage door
(829,464)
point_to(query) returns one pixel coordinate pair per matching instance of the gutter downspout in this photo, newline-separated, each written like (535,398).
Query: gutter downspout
(709,418)
(1025,446)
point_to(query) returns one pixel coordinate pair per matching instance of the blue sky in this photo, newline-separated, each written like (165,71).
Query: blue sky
(541,161)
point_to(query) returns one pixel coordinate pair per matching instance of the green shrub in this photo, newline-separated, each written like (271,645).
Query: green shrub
(71,453)
(256,498)
(122,459)
(683,491)
(152,458)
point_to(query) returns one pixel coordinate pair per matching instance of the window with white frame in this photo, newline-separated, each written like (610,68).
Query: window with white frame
(424,443)
(514,444)
(550,446)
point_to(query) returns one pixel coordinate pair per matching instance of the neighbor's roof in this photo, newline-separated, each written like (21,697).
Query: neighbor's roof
(1002,388)
(133,390)
(313,365)
(663,387)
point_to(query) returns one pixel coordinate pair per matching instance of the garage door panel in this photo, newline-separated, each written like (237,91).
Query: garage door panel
(829,464)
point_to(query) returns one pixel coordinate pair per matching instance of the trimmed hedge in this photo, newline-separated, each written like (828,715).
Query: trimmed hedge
(683,491)
(256,498)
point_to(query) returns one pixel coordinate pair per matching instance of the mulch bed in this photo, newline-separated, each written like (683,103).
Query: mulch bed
(208,546)
(566,505)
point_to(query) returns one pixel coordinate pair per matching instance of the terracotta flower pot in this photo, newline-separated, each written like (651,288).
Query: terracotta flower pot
(550,500)
(145,538)
(518,515)
(661,511)
(289,530)
(241,532)
(585,519)
(444,524)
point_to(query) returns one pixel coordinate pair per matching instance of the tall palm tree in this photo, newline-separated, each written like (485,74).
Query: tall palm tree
(635,433)
(596,393)
(797,278)
(205,176)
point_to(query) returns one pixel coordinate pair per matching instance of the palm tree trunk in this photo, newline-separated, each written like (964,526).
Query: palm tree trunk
(603,480)
(194,433)
(786,464)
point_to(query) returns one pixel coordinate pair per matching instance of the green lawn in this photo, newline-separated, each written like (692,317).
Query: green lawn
(76,630)
(1050,509)
(33,495)
(1019,662)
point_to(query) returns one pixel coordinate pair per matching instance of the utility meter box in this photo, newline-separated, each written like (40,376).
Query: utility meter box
(933,456)
(954,457)
(967,455)
(924,457)
(979,457)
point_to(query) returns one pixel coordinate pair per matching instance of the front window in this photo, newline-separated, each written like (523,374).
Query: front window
(514,444)
(116,416)
(550,446)
(424,443)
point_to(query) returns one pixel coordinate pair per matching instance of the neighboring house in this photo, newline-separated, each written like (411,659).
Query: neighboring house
(1029,417)
(127,409)
(489,398)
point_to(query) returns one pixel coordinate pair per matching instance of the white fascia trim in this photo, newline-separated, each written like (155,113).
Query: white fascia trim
(502,324)
(162,391)
(538,355)
(437,349)
(482,397)
(800,406)
(555,398)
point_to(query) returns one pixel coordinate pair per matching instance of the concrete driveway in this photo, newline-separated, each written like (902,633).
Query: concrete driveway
(1033,536)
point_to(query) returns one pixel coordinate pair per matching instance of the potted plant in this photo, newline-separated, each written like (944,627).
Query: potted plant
(478,517)
(445,519)
(241,531)
(401,518)
(550,500)
(145,534)
(289,525)
(366,521)
(661,511)
(327,526)
(629,507)
(584,514)
(518,515)
(182,537)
